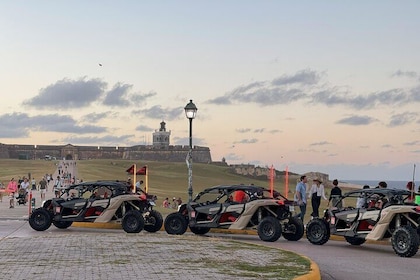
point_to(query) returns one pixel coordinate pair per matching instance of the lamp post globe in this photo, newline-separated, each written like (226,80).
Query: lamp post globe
(190,113)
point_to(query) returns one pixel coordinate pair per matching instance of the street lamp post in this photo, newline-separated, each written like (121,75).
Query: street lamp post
(190,112)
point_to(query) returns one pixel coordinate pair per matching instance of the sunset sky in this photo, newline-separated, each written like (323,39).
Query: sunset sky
(328,86)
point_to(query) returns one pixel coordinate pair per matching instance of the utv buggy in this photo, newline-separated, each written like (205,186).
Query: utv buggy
(381,214)
(238,207)
(99,202)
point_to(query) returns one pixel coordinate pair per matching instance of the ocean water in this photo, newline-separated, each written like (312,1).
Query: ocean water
(373,184)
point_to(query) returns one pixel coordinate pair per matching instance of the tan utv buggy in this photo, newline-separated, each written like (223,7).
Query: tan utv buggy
(99,202)
(382,214)
(238,207)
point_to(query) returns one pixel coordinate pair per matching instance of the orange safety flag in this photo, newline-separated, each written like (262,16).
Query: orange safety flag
(272,181)
(141,171)
(130,170)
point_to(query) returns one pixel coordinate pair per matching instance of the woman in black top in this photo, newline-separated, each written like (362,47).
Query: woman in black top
(335,195)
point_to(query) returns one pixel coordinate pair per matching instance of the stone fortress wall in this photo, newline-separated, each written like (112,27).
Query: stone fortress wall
(70,152)
(160,150)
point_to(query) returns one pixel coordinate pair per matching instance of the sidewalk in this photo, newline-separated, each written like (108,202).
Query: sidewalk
(21,212)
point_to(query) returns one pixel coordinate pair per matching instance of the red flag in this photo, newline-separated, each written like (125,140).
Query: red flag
(130,170)
(141,171)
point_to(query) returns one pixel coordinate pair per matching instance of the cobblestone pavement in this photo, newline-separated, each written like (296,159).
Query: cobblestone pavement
(113,254)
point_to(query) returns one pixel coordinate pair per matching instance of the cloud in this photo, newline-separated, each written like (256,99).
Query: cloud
(357,120)
(11,123)
(304,77)
(66,94)
(69,94)
(139,99)
(412,143)
(307,86)
(243,130)
(143,128)
(322,143)
(283,90)
(274,131)
(336,96)
(117,96)
(409,74)
(95,117)
(246,141)
(402,119)
(415,94)
(157,112)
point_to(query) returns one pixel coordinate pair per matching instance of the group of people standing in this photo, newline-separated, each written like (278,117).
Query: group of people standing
(175,202)
(16,189)
(317,192)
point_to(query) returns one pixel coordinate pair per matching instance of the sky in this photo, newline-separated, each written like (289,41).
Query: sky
(325,86)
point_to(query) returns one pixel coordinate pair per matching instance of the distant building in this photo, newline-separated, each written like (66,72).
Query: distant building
(161,137)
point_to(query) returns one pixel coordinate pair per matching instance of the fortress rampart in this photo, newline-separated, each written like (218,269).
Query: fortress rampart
(171,153)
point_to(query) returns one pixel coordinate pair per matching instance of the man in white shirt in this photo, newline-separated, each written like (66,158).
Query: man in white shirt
(24,186)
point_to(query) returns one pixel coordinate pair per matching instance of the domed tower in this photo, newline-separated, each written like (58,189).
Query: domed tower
(161,137)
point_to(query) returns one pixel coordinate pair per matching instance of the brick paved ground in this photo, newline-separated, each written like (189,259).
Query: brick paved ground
(114,254)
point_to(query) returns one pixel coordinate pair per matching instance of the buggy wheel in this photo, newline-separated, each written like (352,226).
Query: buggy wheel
(40,219)
(153,221)
(175,223)
(405,241)
(62,224)
(132,222)
(294,229)
(269,229)
(199,230)
(317,231)
(355,240)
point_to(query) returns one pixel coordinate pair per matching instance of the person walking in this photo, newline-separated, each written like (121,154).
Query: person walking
(43,188)
(315,194)
(335,195)
(33,184)
(57,187)
(12,189)
(300,196)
